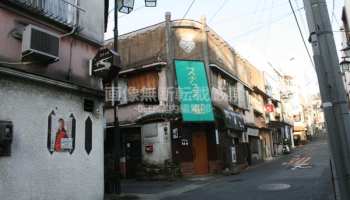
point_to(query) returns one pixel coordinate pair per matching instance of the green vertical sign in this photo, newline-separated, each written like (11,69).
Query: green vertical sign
(193,91)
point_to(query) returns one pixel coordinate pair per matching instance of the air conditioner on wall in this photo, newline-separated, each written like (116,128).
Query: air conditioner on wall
(40,45)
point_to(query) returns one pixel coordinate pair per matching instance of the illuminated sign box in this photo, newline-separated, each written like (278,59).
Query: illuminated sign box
(194,92)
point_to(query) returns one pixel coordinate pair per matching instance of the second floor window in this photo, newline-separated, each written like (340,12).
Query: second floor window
(141,87)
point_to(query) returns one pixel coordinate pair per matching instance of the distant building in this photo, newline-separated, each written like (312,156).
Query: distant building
(279,120)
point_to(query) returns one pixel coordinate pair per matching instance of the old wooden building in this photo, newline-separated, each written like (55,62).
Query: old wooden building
(158,123)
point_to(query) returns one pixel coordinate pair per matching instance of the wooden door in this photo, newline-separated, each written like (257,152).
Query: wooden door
(200,153)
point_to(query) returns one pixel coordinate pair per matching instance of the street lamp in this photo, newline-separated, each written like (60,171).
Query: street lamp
(150,3)
(126,6)
(345,66)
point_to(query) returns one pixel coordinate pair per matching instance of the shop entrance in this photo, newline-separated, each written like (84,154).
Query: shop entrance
(200,153)
(130,156)
(132,150)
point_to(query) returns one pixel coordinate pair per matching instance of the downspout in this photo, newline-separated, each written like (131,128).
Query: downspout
(72,32)
(76,20)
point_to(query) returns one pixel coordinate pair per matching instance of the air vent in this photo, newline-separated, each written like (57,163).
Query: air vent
(88,105)
(39,45)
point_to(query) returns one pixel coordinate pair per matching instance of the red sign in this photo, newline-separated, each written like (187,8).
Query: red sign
(269,108)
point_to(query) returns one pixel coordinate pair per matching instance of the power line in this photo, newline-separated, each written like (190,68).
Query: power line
(217,12)
(231,18)
(268,33)
(257,28)
(301,33)
(189,8)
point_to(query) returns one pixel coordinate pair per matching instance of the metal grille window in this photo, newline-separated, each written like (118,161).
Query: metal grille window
(233,93)
(63,11)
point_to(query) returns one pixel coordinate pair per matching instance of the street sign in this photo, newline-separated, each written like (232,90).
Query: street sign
(105,64)
(194,92)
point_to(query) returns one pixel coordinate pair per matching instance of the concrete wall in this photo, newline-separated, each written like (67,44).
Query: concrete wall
(158,135)
(92,21)
(266,143)
(142,47)
(31,172)
(74,54)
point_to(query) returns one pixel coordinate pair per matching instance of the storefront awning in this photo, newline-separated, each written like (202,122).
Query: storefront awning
(253,132)
(233,120)
(279,124)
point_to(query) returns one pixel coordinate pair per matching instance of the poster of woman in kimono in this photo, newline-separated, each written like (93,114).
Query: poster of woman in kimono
(61,134)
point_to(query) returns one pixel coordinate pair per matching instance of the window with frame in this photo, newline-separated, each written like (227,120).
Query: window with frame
(233,92)
(143,87)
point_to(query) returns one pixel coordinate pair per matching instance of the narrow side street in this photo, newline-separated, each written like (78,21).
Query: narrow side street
(305,174)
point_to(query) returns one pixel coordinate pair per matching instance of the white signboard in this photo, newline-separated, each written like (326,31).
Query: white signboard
(253,132)
(233,154)
(66,143)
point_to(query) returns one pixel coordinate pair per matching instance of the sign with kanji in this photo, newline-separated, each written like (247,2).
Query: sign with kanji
(194,93)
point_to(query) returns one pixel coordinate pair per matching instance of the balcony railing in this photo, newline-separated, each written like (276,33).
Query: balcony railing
(62,11)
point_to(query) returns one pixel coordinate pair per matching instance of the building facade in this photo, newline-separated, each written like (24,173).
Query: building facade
(200,136)
(243,123)
(51,109)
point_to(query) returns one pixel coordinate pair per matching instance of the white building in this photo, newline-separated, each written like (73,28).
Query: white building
(51,114)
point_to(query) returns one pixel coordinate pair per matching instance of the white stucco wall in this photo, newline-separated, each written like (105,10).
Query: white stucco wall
(31,172)
(155,134)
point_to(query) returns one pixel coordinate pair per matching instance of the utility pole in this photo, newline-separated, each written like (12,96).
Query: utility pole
(116,135)
(334,100)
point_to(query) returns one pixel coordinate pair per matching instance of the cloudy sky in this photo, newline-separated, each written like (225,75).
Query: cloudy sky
(262,31)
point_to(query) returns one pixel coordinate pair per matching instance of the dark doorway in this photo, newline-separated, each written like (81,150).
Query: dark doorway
(110,173)
(132,150)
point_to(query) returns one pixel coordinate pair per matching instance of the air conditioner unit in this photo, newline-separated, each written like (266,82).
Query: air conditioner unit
(40,45)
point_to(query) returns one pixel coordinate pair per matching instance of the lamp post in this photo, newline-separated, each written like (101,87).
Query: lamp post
(124,6)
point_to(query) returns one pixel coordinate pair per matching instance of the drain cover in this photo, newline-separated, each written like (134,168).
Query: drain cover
(274,187)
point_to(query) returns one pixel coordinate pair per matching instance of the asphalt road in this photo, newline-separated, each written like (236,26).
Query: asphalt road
(303,175)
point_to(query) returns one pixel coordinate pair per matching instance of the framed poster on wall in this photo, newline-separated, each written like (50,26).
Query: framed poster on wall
(61,133)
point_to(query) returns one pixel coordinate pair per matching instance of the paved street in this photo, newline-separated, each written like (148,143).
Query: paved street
(291,182)
(303,175)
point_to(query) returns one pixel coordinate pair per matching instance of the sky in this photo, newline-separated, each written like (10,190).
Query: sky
(262,31)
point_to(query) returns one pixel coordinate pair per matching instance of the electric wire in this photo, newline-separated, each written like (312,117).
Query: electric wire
(268,33)
(257,28)
(303,22)
(301,33)
(231,18)
(189,8)
(218,10)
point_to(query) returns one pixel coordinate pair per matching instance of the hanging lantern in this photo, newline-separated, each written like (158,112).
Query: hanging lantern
(126,6)
(150,3)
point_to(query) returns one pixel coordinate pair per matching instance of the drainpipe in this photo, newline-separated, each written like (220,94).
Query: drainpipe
(76,19)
